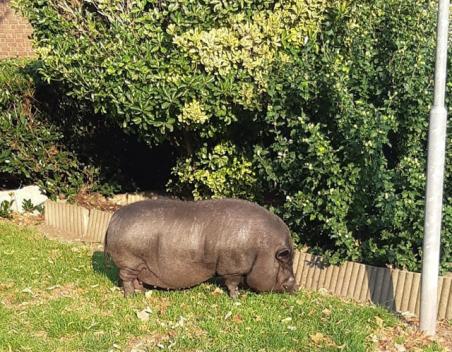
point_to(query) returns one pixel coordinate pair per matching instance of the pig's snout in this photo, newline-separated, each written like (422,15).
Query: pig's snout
(289,285)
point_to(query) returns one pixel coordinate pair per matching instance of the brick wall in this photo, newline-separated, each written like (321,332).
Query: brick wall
(15,32)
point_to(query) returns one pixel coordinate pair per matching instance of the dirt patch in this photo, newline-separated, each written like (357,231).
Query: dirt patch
(39,296)
(26,219)
(93,200)
(42,296)
(159,303)
(54,233)
(6,286)
(57,291)
(57,234)
(96,201)
(149,343)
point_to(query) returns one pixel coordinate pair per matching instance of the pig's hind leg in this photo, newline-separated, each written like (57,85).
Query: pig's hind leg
(130,282)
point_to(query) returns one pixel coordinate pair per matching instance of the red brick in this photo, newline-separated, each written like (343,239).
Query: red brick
(15,33)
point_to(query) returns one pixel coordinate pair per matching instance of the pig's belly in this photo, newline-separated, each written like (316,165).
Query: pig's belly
(176,277)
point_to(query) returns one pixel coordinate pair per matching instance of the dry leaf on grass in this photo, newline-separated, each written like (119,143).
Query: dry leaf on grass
(143,315)
(323,291)
(228,315)
(52,287)
(379,321)
(399,347)
(217,291)
(405,337)
(180,322)
(237,319)
(326,312)
(320,339)
(28,290)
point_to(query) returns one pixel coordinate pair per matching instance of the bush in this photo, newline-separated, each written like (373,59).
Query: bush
(31,149)
(219,173)
(59,144)
(317,109)
(201,76)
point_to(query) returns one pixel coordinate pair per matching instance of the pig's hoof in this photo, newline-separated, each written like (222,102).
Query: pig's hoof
(138,286)
(234,294)
(128,288)
(232,284)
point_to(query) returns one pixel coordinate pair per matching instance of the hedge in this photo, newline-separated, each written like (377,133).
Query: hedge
(317,109)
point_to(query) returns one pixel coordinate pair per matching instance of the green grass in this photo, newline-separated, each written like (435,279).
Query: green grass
(59,297)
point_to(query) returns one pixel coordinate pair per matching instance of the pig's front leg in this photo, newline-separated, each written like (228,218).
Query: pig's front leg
(232,283)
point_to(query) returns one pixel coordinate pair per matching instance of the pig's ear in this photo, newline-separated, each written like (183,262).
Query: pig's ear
(283,255)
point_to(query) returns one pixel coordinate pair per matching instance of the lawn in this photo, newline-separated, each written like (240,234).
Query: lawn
(59,297)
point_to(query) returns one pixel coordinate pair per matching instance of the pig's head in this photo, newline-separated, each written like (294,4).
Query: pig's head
(273,272)
(285,279)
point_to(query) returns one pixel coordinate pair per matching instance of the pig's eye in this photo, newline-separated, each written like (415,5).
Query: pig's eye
(283,255)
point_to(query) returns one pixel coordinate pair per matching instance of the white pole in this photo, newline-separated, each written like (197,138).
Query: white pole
(435,178)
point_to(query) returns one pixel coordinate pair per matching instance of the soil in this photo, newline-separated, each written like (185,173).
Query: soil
(96,201)
(55,234)
(26,219)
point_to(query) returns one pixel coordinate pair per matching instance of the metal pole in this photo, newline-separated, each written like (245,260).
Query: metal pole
(435,178)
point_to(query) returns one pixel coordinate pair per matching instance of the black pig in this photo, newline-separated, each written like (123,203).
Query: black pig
(178,244)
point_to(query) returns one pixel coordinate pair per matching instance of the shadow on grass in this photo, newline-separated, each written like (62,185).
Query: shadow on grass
(103,265)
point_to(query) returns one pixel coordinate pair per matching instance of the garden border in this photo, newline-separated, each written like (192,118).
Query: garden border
(398,290)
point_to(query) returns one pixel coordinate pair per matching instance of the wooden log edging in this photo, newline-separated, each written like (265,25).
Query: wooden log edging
(97,225)
(398,290)
(67,217)
(83,224)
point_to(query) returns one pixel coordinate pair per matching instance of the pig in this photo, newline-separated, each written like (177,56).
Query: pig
(175,244)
